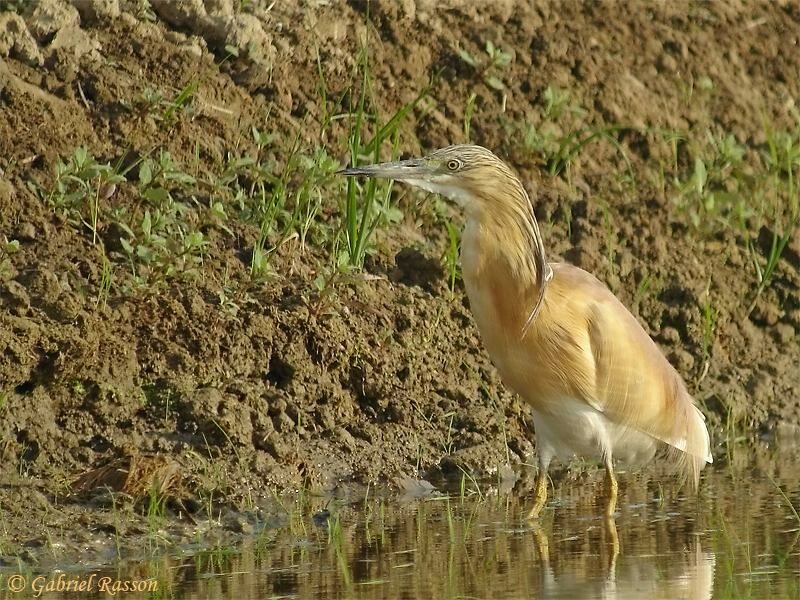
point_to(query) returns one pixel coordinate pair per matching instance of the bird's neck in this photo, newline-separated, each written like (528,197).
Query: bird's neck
(500,262)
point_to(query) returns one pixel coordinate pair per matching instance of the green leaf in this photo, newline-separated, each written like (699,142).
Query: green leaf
(146,172)
(700,175)
(467,57)
(180,177)
(126,245)
(147,224)
(393,214)
(261,138)
(218,210)
(81,154)
(494,83)
(258,261)
(195,240)
(145,253)
(156,195)
(503,59)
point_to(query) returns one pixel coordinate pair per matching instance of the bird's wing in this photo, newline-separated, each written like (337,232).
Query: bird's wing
(634,384)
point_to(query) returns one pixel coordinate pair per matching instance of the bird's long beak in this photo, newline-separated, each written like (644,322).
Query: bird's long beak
(400,170)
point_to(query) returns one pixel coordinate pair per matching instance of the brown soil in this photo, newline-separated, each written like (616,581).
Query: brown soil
(251,387)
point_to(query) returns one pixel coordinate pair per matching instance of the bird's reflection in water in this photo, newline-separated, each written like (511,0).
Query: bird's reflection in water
(610,571)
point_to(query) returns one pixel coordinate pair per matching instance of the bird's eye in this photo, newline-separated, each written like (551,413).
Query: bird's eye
(454,164)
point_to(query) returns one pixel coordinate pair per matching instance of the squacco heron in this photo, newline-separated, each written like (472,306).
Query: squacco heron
(597,384)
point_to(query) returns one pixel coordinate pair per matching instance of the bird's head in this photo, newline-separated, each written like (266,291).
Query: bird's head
(465,173)
(489,193)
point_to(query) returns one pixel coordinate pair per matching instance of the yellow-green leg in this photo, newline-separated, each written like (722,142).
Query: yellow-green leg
(539,494)
(540,539)
(612,488)
(613,539)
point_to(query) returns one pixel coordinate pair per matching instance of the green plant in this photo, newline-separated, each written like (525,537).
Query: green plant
(555,101)
(375,208)
(786,499)
(572,144)
(782,160)
(486,69)
(539,140)
(156,512)
(166,241)
(451,255)
(181,102)
(335,539)
(747,192)
(80,185)
(78,389)
(469,112)
(7,249)
(152,101)
(710,315)
(144,11)
(610,239)
(715,192)
(106,281)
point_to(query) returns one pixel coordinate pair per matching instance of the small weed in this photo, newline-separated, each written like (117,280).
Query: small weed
(7,249)
(159,398)
(335,539)
(539,141)
(451,521)
(375,208)
(181,102)
(144,11)
(476,488)
(12,5)
(106,281)
(469,112)
(78,389)
(782,161)
(487,68)
(555,102)
(786,499)
(152,101)
(165,243)
(611,249)
(746,192)
(501,417)
(715,191)
(710,316)
(451,255)
(156,506)
(572,144)
(447,446)
(80,184)
(641,292)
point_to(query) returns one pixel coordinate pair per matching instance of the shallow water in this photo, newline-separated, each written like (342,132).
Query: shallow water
(738,538)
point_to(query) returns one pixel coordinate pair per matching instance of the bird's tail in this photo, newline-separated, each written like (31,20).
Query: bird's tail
(690,447)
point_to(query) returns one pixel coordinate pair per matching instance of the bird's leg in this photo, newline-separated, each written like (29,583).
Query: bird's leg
(539,495)
(540,539)
(611,529)
(540,489)
(611,488)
